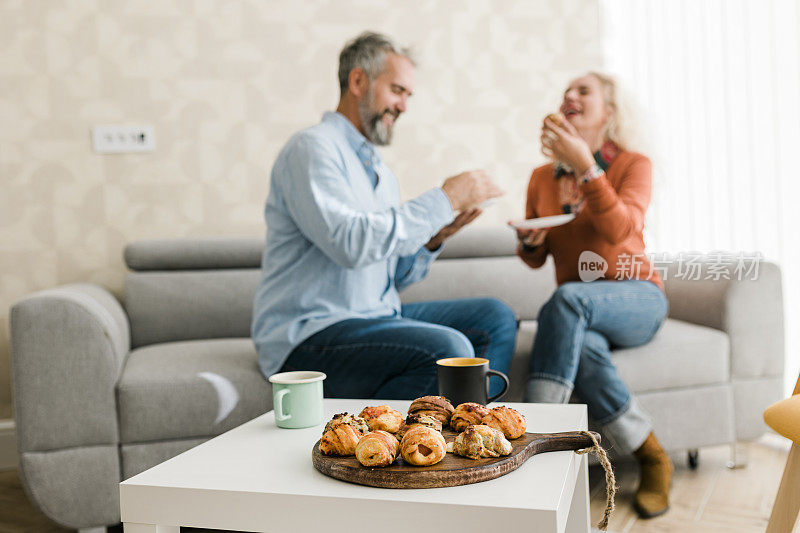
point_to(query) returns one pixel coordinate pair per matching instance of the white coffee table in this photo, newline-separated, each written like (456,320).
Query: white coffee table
(258,477)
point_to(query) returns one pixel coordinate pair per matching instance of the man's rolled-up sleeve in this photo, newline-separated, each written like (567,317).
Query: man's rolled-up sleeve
(413,268)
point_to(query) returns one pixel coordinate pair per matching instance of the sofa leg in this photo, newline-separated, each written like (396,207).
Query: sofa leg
(694,458)
(738,458)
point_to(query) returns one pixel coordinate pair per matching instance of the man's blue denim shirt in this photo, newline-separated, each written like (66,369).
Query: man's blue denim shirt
(339,242)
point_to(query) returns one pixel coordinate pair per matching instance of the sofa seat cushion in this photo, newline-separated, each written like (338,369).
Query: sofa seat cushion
(680,355)
(190,389)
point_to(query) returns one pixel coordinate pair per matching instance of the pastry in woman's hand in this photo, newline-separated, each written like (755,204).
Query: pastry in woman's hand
(467,414)
(382,418)
(510,421)
(340,440)
(556,118)
(423,446)
(356,422)
(377,448)
(436,406)
(418,420)
(480,441)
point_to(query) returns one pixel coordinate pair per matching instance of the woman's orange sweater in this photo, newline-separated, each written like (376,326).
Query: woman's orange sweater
(610,224)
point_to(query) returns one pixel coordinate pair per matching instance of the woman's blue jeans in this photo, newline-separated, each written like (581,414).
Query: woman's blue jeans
(577,328)
(395,358)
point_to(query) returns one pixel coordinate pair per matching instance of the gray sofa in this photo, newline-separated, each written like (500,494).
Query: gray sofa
(104,390)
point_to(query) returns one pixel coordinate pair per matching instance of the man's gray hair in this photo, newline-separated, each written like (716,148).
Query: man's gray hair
(367,52)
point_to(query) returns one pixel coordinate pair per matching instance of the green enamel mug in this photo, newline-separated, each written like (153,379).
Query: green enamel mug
(297,398)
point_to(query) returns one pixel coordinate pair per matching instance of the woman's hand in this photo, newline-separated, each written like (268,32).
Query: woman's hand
(564,143)
(531,237)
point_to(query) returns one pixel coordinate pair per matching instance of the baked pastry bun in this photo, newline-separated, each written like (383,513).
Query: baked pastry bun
(351,420)
(417,420)
(423,446)
(382,418)
(510,421)
(480,441)
(467,414)
(377,448)
(436,406)
(557,118)
(340,440)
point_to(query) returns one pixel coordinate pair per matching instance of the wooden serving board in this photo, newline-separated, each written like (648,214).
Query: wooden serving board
(453,469)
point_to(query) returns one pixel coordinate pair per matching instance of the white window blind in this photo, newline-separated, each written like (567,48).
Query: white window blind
(718,84)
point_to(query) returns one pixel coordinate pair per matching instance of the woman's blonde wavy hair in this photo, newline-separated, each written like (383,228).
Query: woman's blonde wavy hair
(622,128)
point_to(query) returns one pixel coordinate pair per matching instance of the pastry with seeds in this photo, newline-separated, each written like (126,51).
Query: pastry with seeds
(436,406)
(467,414)
(417,420)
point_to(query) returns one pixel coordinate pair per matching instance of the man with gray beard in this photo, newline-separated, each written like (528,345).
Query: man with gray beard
(340,245)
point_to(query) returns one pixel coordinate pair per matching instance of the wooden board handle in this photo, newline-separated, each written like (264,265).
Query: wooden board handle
(567,440)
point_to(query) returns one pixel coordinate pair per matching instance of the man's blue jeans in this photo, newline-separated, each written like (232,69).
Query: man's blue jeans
(577,328)
(395,358)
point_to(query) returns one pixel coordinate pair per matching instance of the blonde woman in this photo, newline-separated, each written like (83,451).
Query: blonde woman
(608,293)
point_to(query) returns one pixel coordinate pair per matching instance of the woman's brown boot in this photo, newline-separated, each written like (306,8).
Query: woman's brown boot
(652,497)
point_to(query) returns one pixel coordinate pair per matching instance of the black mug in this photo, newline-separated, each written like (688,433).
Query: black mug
(466,379)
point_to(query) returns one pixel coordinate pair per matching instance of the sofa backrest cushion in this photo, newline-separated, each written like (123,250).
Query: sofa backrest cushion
(211,253)
(506,278)
(184,289)
(179,305)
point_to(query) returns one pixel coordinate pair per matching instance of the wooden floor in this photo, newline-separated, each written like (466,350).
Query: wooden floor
(710,499)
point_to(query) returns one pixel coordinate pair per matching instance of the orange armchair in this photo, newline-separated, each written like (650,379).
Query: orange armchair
(784,417)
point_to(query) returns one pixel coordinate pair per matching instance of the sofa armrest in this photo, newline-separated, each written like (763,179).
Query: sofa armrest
(749,310)
(67,348)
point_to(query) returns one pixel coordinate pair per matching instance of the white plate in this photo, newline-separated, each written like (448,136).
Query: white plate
(542,222)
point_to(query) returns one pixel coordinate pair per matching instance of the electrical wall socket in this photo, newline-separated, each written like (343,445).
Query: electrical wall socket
(123,139)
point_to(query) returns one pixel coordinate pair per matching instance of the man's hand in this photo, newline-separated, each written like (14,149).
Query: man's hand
(470,189)
(463,218)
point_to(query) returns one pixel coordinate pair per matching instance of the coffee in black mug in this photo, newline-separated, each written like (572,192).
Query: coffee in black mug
(466,379)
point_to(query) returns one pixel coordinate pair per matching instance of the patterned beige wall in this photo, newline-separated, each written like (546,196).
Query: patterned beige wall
(225,83)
